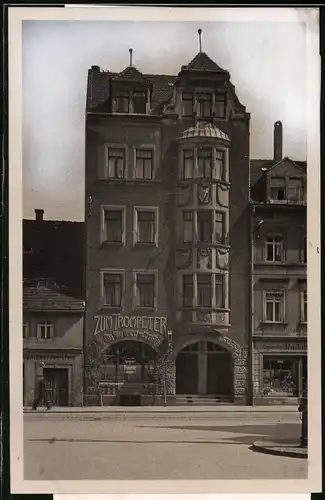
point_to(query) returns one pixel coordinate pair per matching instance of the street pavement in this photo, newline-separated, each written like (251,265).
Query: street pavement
(158,445)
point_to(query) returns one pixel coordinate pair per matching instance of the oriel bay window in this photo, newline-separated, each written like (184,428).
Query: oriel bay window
(113,225)
(219,290)
(188,164)
(274,306)
(146,226)
(187,290)
(204,163)
(144,164)
(145,290)
(187,227)
(219,165)
(219,228)
(204,290)
(116,163)
(113,289)
(274,249)
(204,225)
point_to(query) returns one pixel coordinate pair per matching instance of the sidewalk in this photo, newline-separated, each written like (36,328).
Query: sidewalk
(167,409)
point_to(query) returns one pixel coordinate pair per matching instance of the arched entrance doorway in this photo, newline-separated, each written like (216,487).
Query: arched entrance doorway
(204,368)
(128,363)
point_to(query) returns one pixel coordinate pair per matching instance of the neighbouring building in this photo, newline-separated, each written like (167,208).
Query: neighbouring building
(53,310)
(279,276)
(168,238)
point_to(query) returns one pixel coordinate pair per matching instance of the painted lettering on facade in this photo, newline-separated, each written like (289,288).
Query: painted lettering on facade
(285,347)
(139,324)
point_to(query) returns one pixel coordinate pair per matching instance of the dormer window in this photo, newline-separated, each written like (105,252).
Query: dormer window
(187,104)
(278,189)
(204,102)
(220,106)
(294,189)
(122,102)
(139,102)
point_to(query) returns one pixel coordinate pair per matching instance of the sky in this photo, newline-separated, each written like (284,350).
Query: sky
(266,60)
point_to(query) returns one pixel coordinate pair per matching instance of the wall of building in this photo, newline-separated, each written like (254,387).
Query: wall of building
(64,350)
(285,341)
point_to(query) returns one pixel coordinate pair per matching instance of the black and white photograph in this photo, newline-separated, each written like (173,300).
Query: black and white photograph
(165,272)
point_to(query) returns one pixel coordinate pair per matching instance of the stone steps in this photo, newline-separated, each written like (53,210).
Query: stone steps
(204,400)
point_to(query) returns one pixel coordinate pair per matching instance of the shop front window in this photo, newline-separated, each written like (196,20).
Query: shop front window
(281,376)
(128,362)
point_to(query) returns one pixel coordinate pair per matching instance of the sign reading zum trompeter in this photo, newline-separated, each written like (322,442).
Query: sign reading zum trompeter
(139,325)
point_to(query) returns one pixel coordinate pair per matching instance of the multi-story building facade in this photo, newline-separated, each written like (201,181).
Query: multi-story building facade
(168,238)
(279,276)
(53,311)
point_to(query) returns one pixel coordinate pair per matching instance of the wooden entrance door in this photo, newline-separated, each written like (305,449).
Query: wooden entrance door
(56,385)
(219,374)
(187,373)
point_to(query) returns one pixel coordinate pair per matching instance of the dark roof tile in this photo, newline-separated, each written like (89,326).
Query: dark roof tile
(202,62)
(130,74)
(47,296)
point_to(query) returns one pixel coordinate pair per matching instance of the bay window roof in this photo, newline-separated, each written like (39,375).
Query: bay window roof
(204,129)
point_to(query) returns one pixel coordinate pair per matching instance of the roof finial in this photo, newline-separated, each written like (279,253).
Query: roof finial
(200,39)
(131,54)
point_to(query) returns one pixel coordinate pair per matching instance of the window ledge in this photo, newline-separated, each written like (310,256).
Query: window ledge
(303,323)
(278,323)
(145,308)
(105,307)
(144,245)
(112,243)
(145,182)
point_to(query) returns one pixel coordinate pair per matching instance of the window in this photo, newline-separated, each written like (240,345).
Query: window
(139,102)
(219,165)
(220,106)
(145,290)
(280,376)
(116,163)
(188,164)
(219,288)
(294,189)
(187,290)
(277,189)
(204,225)
(304,251)
(219,227)
(122,102)
(204,105)
(113,221)
(146,230)
(187,104)
(274,306)
(304,307)
(187,227)
(45,330)
(204,295)
(113,289)
(25,330)
(144,164)
(274,249)
(204,162)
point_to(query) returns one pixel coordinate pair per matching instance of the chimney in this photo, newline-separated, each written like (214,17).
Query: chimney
(39,214)
(278,141)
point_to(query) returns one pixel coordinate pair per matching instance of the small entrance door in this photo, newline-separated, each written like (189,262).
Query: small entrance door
(187,373)
(56,384)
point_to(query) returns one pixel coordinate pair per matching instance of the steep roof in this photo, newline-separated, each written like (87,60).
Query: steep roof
(54,250)
(131,74)
(202,62)
(259,166)
(44,295)
(99,86)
